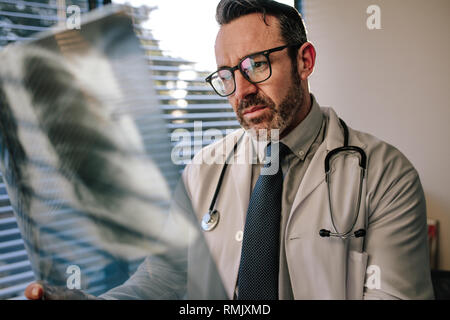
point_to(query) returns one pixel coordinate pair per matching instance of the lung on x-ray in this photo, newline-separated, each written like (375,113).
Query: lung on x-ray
(85,184)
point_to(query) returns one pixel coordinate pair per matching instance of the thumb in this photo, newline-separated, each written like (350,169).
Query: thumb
(34,291)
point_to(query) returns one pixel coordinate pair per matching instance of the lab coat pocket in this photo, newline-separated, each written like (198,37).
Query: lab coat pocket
(356,272)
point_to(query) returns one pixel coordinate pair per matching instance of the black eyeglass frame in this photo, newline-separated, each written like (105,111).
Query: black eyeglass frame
(238,66)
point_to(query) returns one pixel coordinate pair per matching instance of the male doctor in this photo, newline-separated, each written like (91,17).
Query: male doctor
(264,61)
(293,232)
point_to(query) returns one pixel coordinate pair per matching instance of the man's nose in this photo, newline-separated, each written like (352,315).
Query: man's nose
(243,87)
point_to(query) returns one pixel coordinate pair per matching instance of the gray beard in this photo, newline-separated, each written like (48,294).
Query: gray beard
(282,116)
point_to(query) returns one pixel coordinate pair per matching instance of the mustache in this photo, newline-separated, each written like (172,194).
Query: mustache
(253,100)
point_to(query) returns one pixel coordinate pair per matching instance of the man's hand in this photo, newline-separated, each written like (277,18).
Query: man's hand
(42,291)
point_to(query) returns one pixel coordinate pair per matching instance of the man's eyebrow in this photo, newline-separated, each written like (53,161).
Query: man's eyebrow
(222,66)
(240,59)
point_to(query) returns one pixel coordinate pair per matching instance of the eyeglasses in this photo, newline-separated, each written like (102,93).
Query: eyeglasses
(255,68)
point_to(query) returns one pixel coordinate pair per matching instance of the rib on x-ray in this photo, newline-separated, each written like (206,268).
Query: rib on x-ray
(87,192)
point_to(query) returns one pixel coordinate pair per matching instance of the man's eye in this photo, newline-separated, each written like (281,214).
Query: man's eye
(259,64)
(225,75)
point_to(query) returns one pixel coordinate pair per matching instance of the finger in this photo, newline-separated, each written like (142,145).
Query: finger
(34,291)
(62,293)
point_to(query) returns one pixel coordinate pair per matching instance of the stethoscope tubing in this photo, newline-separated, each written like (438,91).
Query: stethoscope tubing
(222,174)
(362,164)
(324,233)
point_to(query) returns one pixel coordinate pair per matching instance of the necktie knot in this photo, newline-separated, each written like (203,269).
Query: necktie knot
(276,152)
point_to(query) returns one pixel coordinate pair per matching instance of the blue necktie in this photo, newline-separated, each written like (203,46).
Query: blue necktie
(258,269)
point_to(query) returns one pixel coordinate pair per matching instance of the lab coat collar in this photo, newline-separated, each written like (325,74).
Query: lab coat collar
(334,137)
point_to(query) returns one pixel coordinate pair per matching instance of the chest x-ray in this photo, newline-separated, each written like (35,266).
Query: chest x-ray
(85,185)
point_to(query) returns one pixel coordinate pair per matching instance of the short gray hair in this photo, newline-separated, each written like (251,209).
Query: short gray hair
(292,28)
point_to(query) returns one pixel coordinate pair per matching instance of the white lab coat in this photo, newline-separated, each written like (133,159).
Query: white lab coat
(390,262)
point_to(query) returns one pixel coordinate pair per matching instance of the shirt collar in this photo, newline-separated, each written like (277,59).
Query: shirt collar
(300,139)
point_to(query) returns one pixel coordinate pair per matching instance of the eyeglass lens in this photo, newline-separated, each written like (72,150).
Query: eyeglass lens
(255,68)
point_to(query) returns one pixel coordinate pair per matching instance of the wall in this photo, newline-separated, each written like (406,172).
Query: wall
(392,82)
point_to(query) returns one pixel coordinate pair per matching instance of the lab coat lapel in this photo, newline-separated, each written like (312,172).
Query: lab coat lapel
(238,198)
(241,171)
(315,174)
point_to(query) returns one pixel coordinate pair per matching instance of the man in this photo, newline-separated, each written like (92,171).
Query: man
(272,249)
(392,208)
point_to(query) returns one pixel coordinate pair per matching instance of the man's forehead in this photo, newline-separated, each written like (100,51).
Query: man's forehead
(246,35)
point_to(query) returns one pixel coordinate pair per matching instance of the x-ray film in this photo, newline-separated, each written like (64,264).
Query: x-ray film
(82,145)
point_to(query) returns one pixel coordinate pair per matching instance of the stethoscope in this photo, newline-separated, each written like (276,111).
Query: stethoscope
(362,164)
(212,217)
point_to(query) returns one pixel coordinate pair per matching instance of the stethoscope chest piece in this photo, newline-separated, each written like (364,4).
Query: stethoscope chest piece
(210,220)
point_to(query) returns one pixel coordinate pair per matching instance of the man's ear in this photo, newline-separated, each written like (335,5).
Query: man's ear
(306,59)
